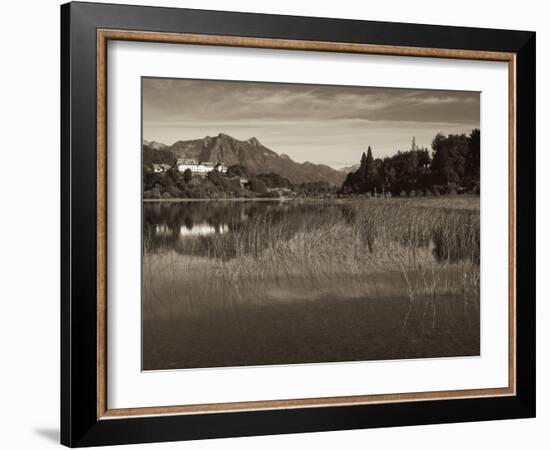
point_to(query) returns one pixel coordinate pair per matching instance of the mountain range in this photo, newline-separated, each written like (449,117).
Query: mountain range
(251,154)
(155,145)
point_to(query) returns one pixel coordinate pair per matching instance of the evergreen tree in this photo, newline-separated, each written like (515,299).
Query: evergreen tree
(369,161)
(370,176)
(366,178)
(362,166)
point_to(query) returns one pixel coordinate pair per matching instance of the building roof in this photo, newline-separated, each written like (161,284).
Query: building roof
(188,161)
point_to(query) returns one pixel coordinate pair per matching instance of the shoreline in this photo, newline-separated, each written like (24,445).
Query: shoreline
(235,199)
(294,199)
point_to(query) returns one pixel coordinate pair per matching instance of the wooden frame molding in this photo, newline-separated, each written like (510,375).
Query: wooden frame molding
(288,44)
(86,418)
(103,36)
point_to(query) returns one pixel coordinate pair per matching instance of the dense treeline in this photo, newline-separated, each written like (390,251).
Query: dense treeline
(176,184)
(452,166)
(236,183)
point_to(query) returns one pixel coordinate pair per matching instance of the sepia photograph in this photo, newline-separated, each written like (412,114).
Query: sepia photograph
(301,223)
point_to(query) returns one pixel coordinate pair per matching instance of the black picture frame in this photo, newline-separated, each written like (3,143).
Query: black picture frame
(80,425)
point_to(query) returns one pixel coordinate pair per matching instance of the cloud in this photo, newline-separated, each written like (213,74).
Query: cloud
(329,124)
(223,100)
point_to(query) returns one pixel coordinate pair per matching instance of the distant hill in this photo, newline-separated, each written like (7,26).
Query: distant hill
(151,156)
(256,157)
(155,145)
(349,169)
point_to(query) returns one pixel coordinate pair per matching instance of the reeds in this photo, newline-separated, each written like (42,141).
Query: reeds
(406,267)
(320,249)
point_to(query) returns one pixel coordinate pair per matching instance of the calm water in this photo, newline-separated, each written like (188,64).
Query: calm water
(190,228)
(270,282)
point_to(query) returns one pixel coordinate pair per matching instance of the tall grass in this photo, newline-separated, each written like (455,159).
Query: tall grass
(428,253)
(310,281)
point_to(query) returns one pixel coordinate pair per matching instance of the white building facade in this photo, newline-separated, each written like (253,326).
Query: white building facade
(202,168)
(159,168)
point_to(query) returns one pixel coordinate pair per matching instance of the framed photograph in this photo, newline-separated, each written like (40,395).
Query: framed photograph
(276,224)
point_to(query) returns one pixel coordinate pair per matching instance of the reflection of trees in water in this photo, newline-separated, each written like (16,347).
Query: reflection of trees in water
(225,229)
(188,222)
(216,228)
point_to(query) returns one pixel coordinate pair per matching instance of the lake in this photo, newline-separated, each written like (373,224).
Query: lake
(232,283)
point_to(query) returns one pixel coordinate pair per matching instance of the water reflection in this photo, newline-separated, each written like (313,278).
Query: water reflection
(195,228)
(224,229)
(162,230)
(202,229)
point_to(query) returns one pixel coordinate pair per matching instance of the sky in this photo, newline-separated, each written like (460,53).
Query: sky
(322,124)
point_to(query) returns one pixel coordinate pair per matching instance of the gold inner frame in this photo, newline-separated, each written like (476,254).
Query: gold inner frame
(103,36)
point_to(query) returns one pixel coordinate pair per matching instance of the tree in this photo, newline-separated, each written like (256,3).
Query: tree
(315,188)
(404,166)
(274,180)
(370,177)
(449,158)
(156,193)
(424,158)
(256,185)
(187,176)
(472,167)
(350,185)
(237,170)
(363,165)
(173,191)
(423,178)
(387,174)
(215,178)
(365,179)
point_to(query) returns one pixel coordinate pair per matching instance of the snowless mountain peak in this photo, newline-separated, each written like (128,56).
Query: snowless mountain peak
(256,157)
